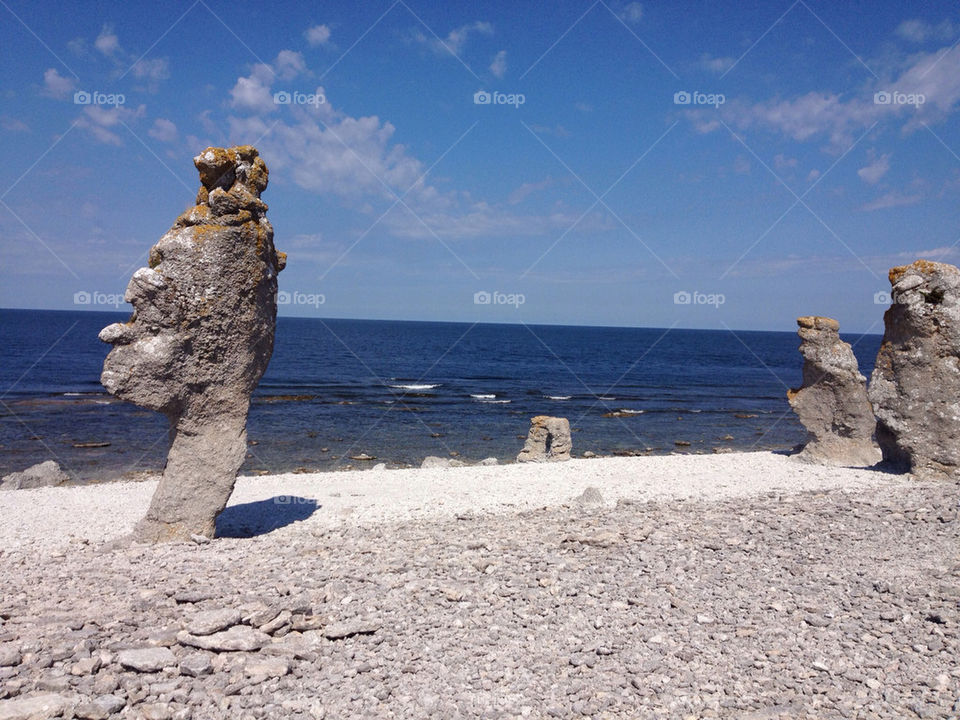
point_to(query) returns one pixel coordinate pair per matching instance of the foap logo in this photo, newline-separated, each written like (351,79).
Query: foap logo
(293,500)
(82,97)
(682,97)
(698,298)
(300,298)
(94,297)
(482,297)
(895,97)
(482,97)
(295,97)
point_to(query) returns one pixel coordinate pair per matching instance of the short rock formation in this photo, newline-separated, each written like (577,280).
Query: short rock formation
(832,403)
(548,440)
(200,338)
(46,474)
(915,386)
(433,462)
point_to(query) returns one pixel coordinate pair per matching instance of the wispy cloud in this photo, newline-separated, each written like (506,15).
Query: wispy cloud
(56,85)
(841,117)
(457,38)
(163,130)
(919,31)
(891,200)
(632,13)
(526,189)
(875,170)
(107,42)
(499,65)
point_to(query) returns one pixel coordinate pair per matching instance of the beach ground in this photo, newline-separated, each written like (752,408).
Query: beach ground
(741,585)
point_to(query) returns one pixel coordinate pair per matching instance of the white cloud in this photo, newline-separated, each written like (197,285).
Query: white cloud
(107,41)
(920,31)
(56,85)
(583,107)
(781,161)
(323,150)
(557,130)
(872,173)
(456,39)
(101,121)
(289,64)
(499,65)
(521,193)
(890,200)
(484,220)
(842,118)
(163,130)
(152,69)
(13,124)
(632,13)
(741,165)
(317,35)
(716,65)
(252,93)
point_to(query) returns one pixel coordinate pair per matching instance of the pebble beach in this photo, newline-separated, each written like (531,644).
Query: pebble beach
(741,585)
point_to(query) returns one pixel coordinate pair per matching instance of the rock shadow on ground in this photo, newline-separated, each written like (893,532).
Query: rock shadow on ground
(250,519)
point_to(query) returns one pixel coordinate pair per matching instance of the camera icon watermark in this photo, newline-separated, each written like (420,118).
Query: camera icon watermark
(295,97)
(895,97)
(300,298)
(82,97)
(482,97)
(683,97)
(94,297)
(683,297)
(483,297)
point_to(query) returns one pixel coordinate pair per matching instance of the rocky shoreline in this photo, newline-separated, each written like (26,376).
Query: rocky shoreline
(634,587)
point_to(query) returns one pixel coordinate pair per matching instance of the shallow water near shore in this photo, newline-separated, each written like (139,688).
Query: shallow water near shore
(398,391)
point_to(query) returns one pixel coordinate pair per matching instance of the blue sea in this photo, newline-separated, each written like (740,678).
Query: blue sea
(399,391)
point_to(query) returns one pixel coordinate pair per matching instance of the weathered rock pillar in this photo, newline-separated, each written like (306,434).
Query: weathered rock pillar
(200,339)
(832,403)
(548,440)
(915,386)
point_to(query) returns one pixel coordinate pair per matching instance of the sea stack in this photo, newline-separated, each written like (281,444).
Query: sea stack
(832,402)
(915,386)
(548,440)
(200,339)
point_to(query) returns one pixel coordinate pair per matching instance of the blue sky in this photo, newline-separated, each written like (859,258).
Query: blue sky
(820,147)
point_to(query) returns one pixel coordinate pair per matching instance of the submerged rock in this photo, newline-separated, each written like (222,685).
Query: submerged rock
(200,338)
(548,440)
(45,474)
(832,403)
(915,386)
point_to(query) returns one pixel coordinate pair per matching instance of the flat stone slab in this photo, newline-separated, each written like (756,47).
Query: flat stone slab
(239,638)
(208,622)
(147,659)
(48,705)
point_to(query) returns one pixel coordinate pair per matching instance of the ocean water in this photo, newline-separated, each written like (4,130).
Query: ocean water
(399,391)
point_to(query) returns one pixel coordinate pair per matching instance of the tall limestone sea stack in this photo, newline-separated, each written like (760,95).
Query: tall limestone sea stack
(832,403)
(200,338)
(915,387)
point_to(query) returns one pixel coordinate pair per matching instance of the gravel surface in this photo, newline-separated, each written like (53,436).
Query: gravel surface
(742,603)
